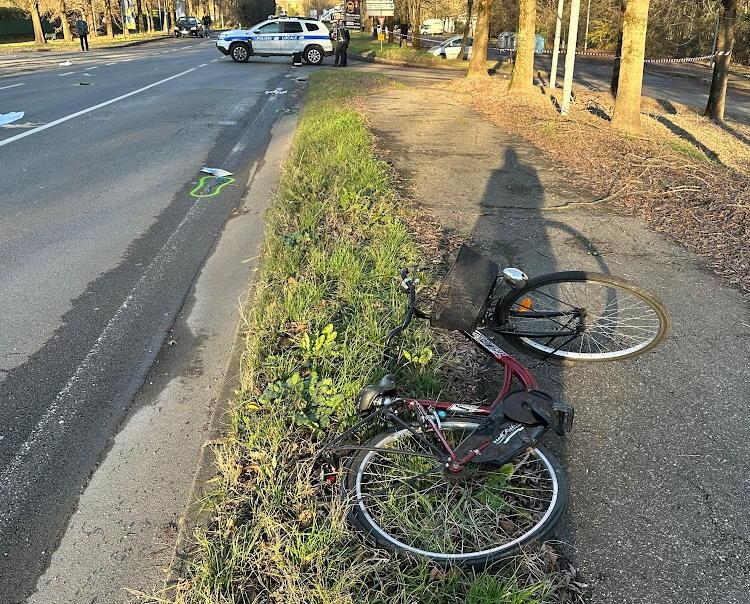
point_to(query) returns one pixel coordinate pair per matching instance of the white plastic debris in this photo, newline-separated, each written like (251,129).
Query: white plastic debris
(65,64)
(276,91)
(7,118)
(216,172)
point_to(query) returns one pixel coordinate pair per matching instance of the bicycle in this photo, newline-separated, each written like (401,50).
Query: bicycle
(462,483)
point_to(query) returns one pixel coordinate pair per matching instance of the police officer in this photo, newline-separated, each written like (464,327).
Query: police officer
(340,38)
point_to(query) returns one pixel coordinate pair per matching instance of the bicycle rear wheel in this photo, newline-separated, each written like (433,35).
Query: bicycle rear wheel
(615,319)
(407,502)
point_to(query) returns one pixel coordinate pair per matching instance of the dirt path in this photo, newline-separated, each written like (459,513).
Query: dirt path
(658,459)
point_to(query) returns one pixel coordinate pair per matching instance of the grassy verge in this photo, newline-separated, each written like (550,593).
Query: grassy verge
(62,45)
(363,44)
(335,239)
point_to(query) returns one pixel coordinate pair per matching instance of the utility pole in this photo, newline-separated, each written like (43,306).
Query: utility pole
(556,47)
(570,57)
(586,36)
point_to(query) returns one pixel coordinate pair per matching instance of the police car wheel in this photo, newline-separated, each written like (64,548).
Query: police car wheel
(313,55)
(239,53)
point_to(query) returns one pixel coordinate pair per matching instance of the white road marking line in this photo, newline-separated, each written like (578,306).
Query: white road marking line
(112,63)
(12,139)
(94,67)
(57,408)
(13,85)
(202,64)
(213,61)
(66,73)
(125,60)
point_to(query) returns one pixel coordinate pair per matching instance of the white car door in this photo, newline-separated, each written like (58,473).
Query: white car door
(267,39)
(293,38)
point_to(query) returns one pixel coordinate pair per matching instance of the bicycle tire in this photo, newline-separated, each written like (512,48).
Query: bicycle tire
(363,518)
(502,316)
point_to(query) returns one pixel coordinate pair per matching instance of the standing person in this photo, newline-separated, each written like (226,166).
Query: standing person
(341,39)
(82,29)
(207,21)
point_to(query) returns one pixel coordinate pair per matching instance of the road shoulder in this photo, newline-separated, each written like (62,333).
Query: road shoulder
(124,531)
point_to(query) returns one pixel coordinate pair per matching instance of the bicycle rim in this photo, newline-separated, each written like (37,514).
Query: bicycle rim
(408,503)
(620,321)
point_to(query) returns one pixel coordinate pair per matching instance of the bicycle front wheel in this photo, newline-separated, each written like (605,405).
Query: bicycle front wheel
(405,499)
(581,316)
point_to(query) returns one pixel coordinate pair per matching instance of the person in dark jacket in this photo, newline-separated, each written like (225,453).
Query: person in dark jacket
(82,29)
(207,21)
(340,38)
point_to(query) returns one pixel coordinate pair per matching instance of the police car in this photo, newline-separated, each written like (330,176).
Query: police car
(281,36)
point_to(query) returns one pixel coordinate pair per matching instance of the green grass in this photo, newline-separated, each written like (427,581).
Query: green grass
(363,44)
(62,45)
(324,301)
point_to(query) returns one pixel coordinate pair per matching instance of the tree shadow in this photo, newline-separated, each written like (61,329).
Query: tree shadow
(743,138)
(686,136)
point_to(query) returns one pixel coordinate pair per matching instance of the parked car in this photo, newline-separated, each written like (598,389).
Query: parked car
(450,48)
(278,37)
(188,26)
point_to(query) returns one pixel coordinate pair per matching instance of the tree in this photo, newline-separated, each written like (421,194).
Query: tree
(618,52)
(253,11)
(627,113)
(467,27)
(36,20)
(478,61)
(93,17)
(724,46)
(63,10)
(108,18)
(522,78)
(414,10)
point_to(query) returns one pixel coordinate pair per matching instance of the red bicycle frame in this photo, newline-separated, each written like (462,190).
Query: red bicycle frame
(512,369)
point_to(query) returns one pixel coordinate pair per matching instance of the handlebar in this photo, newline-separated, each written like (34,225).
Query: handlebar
(409,285)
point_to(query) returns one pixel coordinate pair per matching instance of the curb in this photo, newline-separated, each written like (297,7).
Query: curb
(195,515)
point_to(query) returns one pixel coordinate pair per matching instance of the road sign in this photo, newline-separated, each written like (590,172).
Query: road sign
(380,8)
(352,15)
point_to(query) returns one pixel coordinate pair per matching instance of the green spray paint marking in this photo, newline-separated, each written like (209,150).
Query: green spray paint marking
(210,186)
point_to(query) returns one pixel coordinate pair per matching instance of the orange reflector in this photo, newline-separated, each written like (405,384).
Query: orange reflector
(525,305)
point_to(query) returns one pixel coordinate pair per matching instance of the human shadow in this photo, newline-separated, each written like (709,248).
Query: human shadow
(513,229)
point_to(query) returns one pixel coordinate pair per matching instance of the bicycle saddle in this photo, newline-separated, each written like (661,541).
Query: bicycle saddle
(366,397)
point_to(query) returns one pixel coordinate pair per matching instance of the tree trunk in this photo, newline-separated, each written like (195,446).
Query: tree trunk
(36,20)
(149,16)
(139,19)
(108,18)
(67,34)
(93,19)
(724,45)
(523,70)
(415,12)
(467,27)
(124,14)
(478,60)
(627,113)
(618,52)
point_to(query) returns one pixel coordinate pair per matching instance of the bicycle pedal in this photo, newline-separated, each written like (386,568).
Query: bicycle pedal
(563,414)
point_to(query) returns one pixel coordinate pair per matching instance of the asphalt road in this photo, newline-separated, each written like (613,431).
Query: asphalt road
(100,241)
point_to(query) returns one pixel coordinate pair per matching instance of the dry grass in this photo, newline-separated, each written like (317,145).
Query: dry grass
(686,177)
